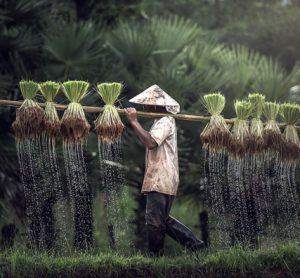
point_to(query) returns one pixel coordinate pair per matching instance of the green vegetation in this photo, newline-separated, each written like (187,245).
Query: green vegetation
(75,91)
(240,130)
(29,121)
(256,141)
(291,115)
(74,125)
(283,260)
(109,126)
(216,135)
(188,47)
(49,90)
(272,134)
(271,110)
(28,89)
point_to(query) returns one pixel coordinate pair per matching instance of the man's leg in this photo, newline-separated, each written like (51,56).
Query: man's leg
(156,215)
(183,235)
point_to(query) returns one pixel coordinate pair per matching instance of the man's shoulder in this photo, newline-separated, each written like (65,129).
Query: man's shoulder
(168,119)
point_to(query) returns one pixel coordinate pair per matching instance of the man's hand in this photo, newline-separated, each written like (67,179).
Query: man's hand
(142,134)
(131,114)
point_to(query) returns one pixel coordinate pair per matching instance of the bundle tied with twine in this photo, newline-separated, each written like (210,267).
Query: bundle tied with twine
(240,130)
(291,115)
(30,117)
(49,90)
(256,138)
(74,125)
(216,134)
(108,125)
(273,139)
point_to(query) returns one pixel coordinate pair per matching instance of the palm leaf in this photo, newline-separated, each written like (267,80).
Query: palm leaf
(75,49)
(166,33)
(238,64)
(132,44)
(273,80)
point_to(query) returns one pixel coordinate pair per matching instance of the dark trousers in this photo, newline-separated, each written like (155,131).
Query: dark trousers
(159,223)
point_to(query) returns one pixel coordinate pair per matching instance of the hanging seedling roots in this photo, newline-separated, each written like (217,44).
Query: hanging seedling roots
(238,148)
(74,130)
(29,123)
(49,90)
(216,134)
(74,125)
(109,133)
(256,139)
(109,126)
(255,145)
(52,129)
(216,138)
(52,123)
(273,140)
(239,142)
(290,151)
(291,146)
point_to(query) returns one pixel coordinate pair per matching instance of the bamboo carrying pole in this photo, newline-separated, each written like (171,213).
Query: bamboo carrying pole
(92,109)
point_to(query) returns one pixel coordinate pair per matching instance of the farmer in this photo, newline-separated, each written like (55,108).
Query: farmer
(161,174)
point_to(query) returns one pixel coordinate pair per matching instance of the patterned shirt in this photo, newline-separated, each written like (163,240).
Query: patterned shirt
(161,173)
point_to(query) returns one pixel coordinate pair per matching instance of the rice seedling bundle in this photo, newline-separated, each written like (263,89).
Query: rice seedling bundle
(216,138)
(74,125)
(256,139)
(216,134)
(49,90)
(291,116)
(52,186)
(74,130)
(273,138)
(30,117)
(109,126)
(240,130)
(29,127)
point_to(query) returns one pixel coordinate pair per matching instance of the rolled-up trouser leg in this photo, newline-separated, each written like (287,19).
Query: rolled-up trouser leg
(157,211)
(183,234)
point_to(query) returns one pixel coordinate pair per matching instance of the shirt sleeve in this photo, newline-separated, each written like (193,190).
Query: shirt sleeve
(162,129)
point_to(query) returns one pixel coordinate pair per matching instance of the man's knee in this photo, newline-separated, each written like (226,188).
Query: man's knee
(155,211)
(155,220)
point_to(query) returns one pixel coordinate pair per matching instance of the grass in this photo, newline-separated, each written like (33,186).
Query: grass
(235,261)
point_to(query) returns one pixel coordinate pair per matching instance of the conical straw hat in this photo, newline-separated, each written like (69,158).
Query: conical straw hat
(156,96)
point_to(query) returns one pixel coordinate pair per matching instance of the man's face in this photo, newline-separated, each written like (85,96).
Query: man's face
(149,108)
(153,108)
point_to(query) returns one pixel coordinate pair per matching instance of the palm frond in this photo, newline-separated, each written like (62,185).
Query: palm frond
(273,80)
(166,32)
(132,44)
(73,47)
(238,64)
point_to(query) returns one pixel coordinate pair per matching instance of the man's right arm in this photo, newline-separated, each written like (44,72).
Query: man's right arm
(142,134)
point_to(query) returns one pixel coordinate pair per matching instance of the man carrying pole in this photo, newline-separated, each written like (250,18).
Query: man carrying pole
(161,174)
